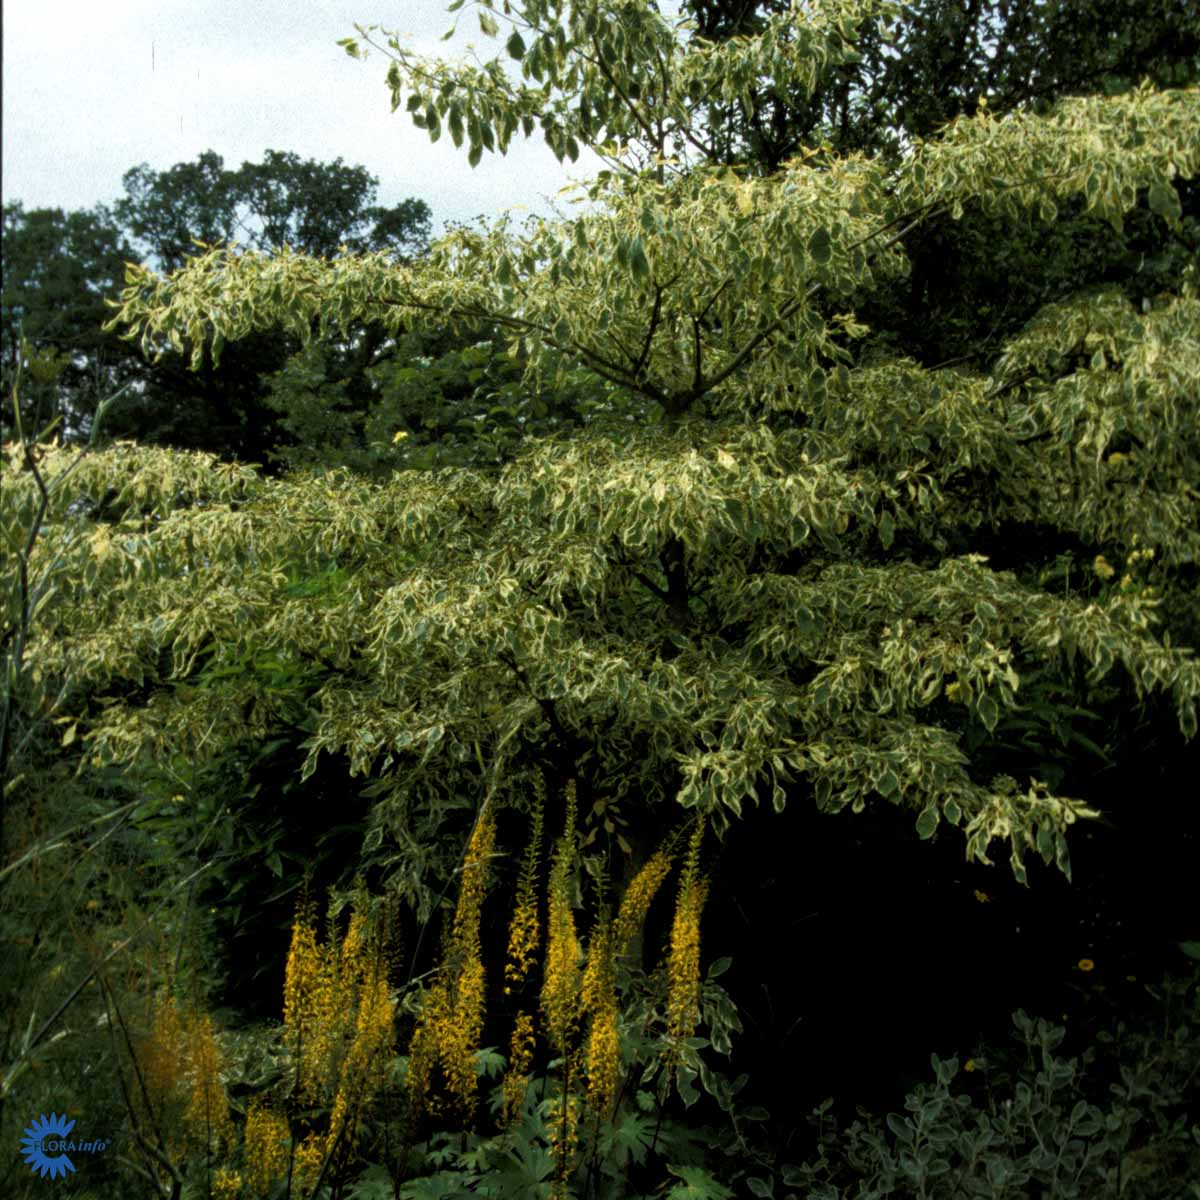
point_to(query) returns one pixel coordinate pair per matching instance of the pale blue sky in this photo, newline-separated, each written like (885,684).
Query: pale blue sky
(92,89)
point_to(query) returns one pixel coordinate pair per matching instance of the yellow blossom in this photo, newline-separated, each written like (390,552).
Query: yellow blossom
(423,1048)
(310,1158)
(226,1184)
(683,967)
(603,1061)
(1103,567)
(452,1013)
(206,1117)
(266,1142)
(1086,964)
(338,1013)
(162,1056)
(520,1057)
(683,1005)
(562,1125)
(523,931)
(523,938)
(598,996)
(635,904)
(560,988)
(459,1037)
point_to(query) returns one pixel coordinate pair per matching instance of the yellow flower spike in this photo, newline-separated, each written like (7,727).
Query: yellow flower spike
(635,904)
(302,983)
(969,1065)
(683,1003)
(560,988)
(524,933)
(452,1013)
(598,996)
(354,954)
(310,1158)
(207,1113)
(266,1144)
(562,1125)
(520,1058)
(460,1036)
(683,965)
(474,877)
(226,1184)
(423,1049)
(523,937)
(1103,567)
(337,1010)
(162,1056)
(598,971)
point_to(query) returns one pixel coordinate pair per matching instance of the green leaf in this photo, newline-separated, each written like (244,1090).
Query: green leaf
(488,23)
(698,1184)
(887,529)
(901,1128)
(1164,200)
(820,246)
(1191,949)
(475,154)
(638,262)
(719,967)
(927,822)
(515,46)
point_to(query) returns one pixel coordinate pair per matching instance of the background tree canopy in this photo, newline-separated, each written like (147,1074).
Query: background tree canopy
(59,268)
(832,479)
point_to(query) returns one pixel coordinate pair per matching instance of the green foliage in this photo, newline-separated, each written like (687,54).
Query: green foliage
(320,208)
(58,267)
(1111,1122)
(639,498)
(821,613)
(636,1142)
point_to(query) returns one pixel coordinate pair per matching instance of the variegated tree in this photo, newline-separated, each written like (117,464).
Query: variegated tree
(766,567)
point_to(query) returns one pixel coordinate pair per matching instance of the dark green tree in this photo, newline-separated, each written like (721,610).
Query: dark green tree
(315,208)
(58,269)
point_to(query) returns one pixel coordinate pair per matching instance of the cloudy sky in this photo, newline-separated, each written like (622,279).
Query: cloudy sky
(92,89)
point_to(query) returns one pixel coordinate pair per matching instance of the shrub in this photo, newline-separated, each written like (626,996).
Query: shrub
(1121,1121)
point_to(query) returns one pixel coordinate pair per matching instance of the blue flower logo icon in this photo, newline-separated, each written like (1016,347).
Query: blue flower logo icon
(34,1147)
